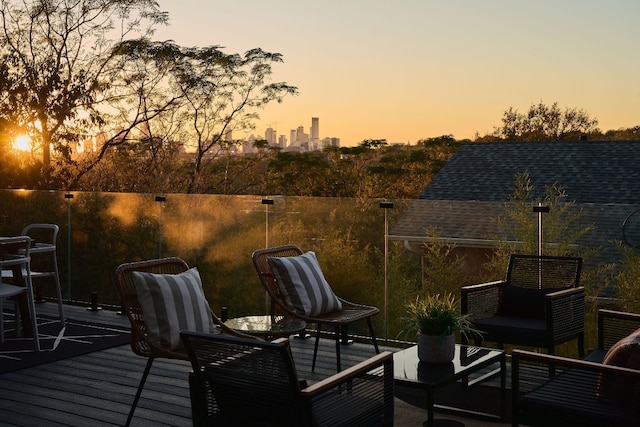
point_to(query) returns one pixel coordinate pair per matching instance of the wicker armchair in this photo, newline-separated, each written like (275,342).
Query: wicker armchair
(141,344)
(350,312)
(583,392)
(540,304)
(250,383)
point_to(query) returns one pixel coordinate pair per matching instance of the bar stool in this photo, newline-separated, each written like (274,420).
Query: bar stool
(14,254)
(44,238)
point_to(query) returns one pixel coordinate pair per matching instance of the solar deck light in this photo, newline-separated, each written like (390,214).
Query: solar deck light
(266,203)
(540,209)
(386,206)
(68,196)
(160,199)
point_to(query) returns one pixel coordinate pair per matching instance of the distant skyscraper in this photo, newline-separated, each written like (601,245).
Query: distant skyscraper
(315,133)
(270,136)
(282,141)
(330,142)
(302,139)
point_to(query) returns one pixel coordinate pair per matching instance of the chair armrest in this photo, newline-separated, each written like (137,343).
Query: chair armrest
(481,300)
(615,325)
(362,393)
(543,359)
(564,312)
(537,373)
(384,359)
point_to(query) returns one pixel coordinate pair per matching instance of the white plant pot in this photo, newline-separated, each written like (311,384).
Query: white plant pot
(436,349)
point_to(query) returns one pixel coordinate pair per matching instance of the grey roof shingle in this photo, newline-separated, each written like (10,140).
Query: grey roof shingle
(589,171)
(462,201)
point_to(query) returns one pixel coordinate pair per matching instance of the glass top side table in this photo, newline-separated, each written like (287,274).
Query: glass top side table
(468,360)
(267,326)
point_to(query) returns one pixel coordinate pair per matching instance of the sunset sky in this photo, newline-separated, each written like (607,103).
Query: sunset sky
(405,70)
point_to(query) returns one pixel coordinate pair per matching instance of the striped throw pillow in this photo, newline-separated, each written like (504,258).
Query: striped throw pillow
(172,303)
(303,285)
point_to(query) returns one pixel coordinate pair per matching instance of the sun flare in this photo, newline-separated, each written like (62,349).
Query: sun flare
(22,143)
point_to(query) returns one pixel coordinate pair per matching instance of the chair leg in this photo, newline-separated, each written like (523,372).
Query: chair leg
(581,345)
(373,335)
(1,320)
(315,349)
(34,322)
(337,334)
(552,368)
(147,368)
(32,311)
(56,278)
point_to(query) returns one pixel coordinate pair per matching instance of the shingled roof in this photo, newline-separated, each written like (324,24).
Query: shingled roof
(589,171)
(462,201)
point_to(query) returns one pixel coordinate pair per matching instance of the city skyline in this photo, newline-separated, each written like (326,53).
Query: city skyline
(298,139)
(410,69)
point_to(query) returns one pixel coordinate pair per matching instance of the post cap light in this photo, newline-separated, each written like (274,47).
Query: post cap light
(541,208)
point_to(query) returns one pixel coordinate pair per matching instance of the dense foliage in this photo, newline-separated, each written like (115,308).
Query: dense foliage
(85,81)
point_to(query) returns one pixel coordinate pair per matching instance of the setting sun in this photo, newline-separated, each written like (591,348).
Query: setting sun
(22,143)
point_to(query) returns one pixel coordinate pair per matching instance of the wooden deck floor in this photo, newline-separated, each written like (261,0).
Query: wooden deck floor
(97,389)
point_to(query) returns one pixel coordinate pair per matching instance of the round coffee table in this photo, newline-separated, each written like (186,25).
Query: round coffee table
(267,327)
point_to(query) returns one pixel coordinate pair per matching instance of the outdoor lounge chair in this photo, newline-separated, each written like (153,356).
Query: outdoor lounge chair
(43,248)
(143,340)
(249,383)
(540,304)
(14,255)
(603,389)
(281,304)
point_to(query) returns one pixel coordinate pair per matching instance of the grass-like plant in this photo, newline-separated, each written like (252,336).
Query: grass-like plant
(436,314)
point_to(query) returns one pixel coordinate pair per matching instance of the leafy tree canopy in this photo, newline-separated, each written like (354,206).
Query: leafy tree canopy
(546,123)
(87,74)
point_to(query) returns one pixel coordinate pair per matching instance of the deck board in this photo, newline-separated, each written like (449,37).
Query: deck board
(97,389)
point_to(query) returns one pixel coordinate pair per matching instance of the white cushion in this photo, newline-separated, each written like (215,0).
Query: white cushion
(303,285)
(171,303)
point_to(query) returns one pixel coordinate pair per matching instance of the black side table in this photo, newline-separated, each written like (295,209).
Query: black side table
(468,360)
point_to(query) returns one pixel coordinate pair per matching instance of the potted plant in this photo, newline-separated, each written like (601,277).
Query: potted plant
(435,319)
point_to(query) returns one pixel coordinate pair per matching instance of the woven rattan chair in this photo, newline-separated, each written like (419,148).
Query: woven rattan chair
(539,304)
(351,312)
(587,392)
(141,344)
(251,383)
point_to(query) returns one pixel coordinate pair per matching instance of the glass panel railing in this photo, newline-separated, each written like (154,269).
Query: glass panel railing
(99,231)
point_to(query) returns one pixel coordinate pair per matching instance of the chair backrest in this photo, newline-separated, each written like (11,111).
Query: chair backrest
(544,272)
(268,279)
(42,233)
(252,382)
(14,251)
(125,285)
